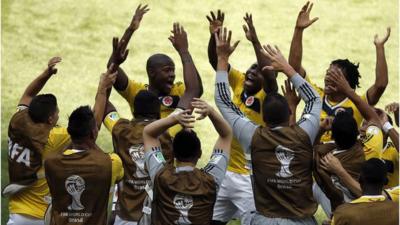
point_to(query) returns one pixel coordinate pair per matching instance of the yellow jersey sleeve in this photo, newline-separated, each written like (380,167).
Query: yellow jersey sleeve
(235,78)
(117,169)
(131,91)
(110,120)
(178,89)
(57,141)
(394,193)
(373,142)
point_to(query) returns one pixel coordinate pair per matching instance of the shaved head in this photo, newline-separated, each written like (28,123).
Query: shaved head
(158,60)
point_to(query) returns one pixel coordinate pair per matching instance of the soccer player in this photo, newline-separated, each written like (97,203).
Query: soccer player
(80,177)
(32,136)
(134,191)
(235,198)
(161,71)
(333,101)
(281,154)
(185,194)
(372,207)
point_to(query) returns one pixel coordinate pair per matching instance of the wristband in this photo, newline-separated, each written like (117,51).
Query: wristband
(386,127)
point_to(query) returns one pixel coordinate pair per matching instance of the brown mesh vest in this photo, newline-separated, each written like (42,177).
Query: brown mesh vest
(79,185)
(367,213)
(128,144)
(351,160)
(186,197)
(25,146)
(282,167)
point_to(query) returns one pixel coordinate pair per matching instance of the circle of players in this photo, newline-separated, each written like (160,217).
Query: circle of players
(266,167)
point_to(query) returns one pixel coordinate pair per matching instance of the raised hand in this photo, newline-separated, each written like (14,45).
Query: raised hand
(140,11)
(179,38)
(51,65)
(223,40)
(201,107)
(332,164)
(216,22)
(338,82)
(249,30)
(185,119)
(392,108)
(303,19)
(120,53)
(381,41)
(278,62)
(290,94)
(108,78)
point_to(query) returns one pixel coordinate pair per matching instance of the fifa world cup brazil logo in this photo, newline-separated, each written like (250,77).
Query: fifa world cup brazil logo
(75,185)
(137,155)
(285,156)
(183,203)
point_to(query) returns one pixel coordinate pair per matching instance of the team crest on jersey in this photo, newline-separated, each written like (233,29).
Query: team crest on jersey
(339,110)
(285,156)
(75,185)
(167,101)
(183,203)
(137,155)
(249,101)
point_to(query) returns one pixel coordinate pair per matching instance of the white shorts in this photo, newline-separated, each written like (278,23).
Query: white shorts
(259,219)
(120,221)
(20,219)
(234,199)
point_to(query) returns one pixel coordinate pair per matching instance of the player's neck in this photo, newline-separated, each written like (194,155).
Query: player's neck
(83,145)
(372,190)
(182,164)
(336,97)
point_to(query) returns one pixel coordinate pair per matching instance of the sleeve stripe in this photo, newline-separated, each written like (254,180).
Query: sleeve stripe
(226,99)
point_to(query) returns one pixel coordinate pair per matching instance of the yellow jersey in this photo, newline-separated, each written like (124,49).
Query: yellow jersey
(34,200)
(373,142)
(168,102)
(391,157)
(330,108)
(393,193)
(251,106)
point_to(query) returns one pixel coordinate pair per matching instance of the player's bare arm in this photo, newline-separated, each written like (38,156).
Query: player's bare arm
(38,83)
(216,23)
(270,84)
(152,131)
(106,81)
(296,47)
(388,128)
(332,164)
(292,98)
(193,84)
(221,126)
(393,108)
(122,79)
(341,85)
(375,92)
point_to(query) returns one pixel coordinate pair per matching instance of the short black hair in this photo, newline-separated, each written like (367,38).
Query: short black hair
(146,104)
(187,146)
(373,172)
(344,130)
(81,123)
(42,107)
(275,109)
(350,70)
(157,60)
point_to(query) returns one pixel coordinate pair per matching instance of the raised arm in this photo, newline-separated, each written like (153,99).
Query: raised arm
(341,85)
(375,92)
(243,129)
(216,23)
(393,108)
(122,79)
(270,85)
(106,81)
(193,84)
(296,48)
(388,128)
(309,120)
(38,83)
(292,99)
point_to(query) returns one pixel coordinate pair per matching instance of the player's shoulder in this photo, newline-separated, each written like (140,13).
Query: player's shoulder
(115,159)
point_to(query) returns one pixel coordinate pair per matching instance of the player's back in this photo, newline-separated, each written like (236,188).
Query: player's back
(183,195)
